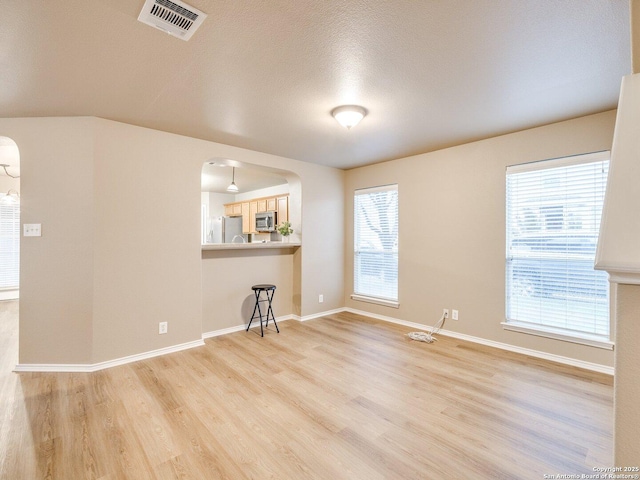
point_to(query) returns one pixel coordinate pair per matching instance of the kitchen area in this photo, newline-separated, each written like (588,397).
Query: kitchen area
(244,205)
(245,210)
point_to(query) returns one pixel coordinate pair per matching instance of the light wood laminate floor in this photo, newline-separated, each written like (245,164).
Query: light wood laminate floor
(339,397)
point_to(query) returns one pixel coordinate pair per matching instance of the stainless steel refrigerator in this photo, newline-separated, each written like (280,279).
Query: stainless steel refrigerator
(224,229)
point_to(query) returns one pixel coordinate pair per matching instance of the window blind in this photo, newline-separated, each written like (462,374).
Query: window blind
(553,219)
(376,242)
(9,246)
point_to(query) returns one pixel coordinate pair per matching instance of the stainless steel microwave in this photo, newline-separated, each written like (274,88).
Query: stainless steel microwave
(266,222)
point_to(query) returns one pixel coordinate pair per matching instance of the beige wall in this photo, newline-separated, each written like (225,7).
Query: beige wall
(452,224)
(627,386)
(120,251)
(56,280)
(225,304)
(146,269)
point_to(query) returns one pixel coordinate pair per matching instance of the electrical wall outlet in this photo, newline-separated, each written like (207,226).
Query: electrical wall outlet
(454,314)
(320,298)
(32,230)
(445,312)
(163,327)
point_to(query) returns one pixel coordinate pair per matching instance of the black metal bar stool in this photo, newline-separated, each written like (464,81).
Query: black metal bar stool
(269,290)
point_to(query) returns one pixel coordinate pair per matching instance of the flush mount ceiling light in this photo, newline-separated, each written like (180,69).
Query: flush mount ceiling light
(233,187)
(348,115)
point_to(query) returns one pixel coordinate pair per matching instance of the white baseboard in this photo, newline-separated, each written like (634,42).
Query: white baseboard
(87,368)
(595,367)
(239,328)
(176,348)
(223,331)
(321,314)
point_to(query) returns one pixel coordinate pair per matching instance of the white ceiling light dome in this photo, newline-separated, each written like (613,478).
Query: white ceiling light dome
(233,187)
(348,115)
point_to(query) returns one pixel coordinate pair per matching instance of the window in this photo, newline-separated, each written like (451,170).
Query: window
(376,245)
(9,245)
(553,218)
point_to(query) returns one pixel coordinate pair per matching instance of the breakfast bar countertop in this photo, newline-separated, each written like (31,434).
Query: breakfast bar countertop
(250,246)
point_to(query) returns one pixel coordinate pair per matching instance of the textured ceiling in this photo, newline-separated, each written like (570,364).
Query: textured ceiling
(216,178)
(265,75)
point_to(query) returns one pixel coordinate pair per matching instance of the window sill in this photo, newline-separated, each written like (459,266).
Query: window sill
(377,301)
(589,340)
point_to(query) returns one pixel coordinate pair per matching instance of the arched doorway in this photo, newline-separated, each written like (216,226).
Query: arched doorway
(9,252)
(9,219)
(253,181)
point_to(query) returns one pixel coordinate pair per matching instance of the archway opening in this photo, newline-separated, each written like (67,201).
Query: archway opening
(258,189)
(9,219)
(9,252)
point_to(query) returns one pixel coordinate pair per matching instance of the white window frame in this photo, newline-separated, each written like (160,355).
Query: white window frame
(364,290)
(531,325)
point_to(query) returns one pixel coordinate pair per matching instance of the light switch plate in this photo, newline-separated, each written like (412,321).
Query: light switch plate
(32,230)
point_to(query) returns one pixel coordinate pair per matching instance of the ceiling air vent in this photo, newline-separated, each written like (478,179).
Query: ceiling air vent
(174,17)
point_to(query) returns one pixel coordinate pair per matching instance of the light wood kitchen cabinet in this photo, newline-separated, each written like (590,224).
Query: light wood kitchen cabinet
(253,209)
(249,209)
(246,224)
(283,209)
(233,209)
